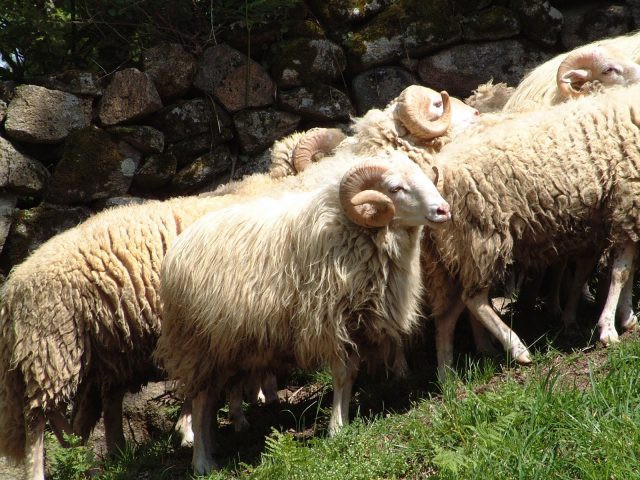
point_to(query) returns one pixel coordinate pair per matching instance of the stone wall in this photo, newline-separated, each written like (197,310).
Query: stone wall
(180,123)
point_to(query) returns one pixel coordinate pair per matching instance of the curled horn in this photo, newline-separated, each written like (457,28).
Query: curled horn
(413,103)
(580,59)
(316,142)
(361,203)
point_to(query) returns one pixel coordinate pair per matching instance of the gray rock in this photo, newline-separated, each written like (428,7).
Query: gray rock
(155,172)
(377,87)
(540,21)
(193,117)
(76,82)
(20,173)
(341,13)
(144,138)
(401,30)
(460,69)
(171,68)
(258,129)
(3,110)
(588,22)
(119,201)
(92,167)
(212,168)
(39,115)
(187,150)
(235,80)
(320,103)
(490,24)
(32,227)
(130,95)
(306,61)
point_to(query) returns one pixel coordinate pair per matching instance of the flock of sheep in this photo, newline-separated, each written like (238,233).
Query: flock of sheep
(330,257)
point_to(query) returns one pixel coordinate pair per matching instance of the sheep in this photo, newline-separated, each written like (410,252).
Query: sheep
(605,62)
(81,315)
(562,180)
(490,97)
(313,277)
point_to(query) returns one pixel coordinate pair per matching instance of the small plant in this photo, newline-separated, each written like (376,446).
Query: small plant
(71,463)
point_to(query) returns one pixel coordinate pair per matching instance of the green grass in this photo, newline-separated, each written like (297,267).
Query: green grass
(569,417)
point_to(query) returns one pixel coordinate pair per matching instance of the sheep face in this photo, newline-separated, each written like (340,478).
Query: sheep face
(414,196)
(603,64)
(391,189)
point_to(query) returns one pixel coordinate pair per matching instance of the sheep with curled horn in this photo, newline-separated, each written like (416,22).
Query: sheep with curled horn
(527,192)
(349,251)
(604,63)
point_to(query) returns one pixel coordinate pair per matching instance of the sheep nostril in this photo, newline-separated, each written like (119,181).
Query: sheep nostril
(443,209)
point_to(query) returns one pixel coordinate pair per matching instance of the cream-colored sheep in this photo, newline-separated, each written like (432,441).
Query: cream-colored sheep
(315,277)
(537,187)
(607,62)
(83,312)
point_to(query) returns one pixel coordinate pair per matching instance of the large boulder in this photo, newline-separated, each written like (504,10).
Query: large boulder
(19,173)
(319,103)
(539,21)
(193,117)
(408,27)
(130,95)
(142,137)
(258,129)
(339,14)
(375,88)
(39,115)
(585,23)
(305,61)
(93,166)
(171,68)
(235,80)
(212,168)
(460,69)
(490,24)
(156,172)
(77,82)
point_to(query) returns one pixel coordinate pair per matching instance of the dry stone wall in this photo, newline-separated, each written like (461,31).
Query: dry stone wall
(180,123)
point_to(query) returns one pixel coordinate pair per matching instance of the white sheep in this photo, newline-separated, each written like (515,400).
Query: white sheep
(315,277)
(606,62)
(81,315)
(537,187)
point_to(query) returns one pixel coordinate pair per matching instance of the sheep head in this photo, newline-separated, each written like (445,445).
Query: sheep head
(315,144)
(374,193)
(605,64)
(424,113)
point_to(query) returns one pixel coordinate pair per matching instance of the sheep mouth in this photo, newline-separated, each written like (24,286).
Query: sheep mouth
(439,218)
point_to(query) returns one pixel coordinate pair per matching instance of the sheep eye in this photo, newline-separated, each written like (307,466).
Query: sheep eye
(396,189)
(610,70)
(438,104)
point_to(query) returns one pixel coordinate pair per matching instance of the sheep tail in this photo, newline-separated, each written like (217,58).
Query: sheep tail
(12,393)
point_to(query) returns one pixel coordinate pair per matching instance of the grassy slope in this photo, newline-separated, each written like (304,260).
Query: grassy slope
(573,416)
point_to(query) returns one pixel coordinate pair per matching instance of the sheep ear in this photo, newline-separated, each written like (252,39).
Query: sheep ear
(576,78)
(374,208)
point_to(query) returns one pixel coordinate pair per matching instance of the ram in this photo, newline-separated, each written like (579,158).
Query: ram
(315,277)
(560,181)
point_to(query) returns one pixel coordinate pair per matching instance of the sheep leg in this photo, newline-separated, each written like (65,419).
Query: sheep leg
(86,411)
(583,269)
(236,414)
(344,374)
(60,426)
(268,393)
(203,411)
(625,313)
(34,444)
(184,426)
(480,307)
(445,330)
(481,337)
(623,261)
(557,271)
(112,415)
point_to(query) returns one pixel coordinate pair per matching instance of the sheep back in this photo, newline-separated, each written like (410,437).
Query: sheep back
(540,185)
(86,300)
(282,278)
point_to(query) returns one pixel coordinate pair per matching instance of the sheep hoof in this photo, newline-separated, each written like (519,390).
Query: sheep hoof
(609,337)
(524,358)
(204,466)
(631,325)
